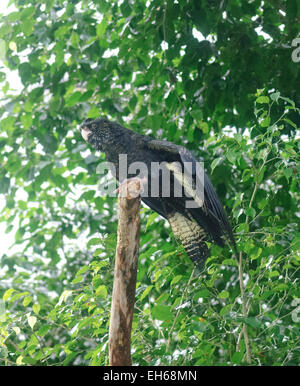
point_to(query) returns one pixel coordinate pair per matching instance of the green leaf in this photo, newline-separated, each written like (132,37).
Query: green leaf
(101,291)
(262,99)
(146,292)
(19,360)
(27,27)
(253,322)
(2,311)
(2,49)
(215,163)
(36,308)
(7,294)
(64,296)
(74,40)
(288,173)
(223,295)
(73,99)
(295,244)
(44,329)
(292,103)
(204,127)
(161,312)
(274,274)
(27,13)
(176,279)
(231,156)
(255,253)
(229,262)
(250,212)
(125,8)
(77,279)
(62,31)
(151,219)
(290,123)
(265,122)
(202,294)
(25,72)
(8,123)
(281,287)
(4,185)
(242,227)
(29,360)
(101,28)
(31,320)
(226,310)
(82,270)
(94,241)
(94,112)
(27,300)
(197,115)
(237,357)
(262,203)
(84,323)
(17,330)
(22,204)
(275,96)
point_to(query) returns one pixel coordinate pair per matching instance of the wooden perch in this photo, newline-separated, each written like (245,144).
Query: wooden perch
(125,274)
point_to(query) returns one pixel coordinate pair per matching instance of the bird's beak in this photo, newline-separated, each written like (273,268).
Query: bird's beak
(85,131)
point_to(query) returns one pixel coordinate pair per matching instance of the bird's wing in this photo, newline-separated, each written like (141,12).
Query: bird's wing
(187,230)
(155,204)
(211,215)
(212,205)
(166,146)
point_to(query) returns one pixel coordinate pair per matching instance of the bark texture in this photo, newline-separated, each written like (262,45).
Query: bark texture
(125,274)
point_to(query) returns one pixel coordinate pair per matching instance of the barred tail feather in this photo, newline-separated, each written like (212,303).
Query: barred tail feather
(191,235)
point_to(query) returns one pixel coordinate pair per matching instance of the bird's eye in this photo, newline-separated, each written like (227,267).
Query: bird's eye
(86,123)
(94,126)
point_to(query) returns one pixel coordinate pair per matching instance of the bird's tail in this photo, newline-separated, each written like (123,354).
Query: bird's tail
(214,206)
(191,235)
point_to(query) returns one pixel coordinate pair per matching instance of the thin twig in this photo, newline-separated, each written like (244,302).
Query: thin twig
(178,310)
(246,306)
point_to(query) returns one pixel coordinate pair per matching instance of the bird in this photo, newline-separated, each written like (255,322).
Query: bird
(190,203)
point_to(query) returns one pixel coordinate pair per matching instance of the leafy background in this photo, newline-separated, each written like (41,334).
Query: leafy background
(231,97)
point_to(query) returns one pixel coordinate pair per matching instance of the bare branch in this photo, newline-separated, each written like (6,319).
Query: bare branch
(126,263)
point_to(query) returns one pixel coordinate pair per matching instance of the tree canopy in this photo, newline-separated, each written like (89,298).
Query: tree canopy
(217,77)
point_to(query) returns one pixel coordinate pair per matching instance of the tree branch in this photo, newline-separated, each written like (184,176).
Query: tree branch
(125,274)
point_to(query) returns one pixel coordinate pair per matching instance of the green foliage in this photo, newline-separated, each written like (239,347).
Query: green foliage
(138,62)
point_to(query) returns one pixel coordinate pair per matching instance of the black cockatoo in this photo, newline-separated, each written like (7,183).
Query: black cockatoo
(193,225)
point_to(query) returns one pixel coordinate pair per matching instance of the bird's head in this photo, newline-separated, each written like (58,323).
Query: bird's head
(96,132)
